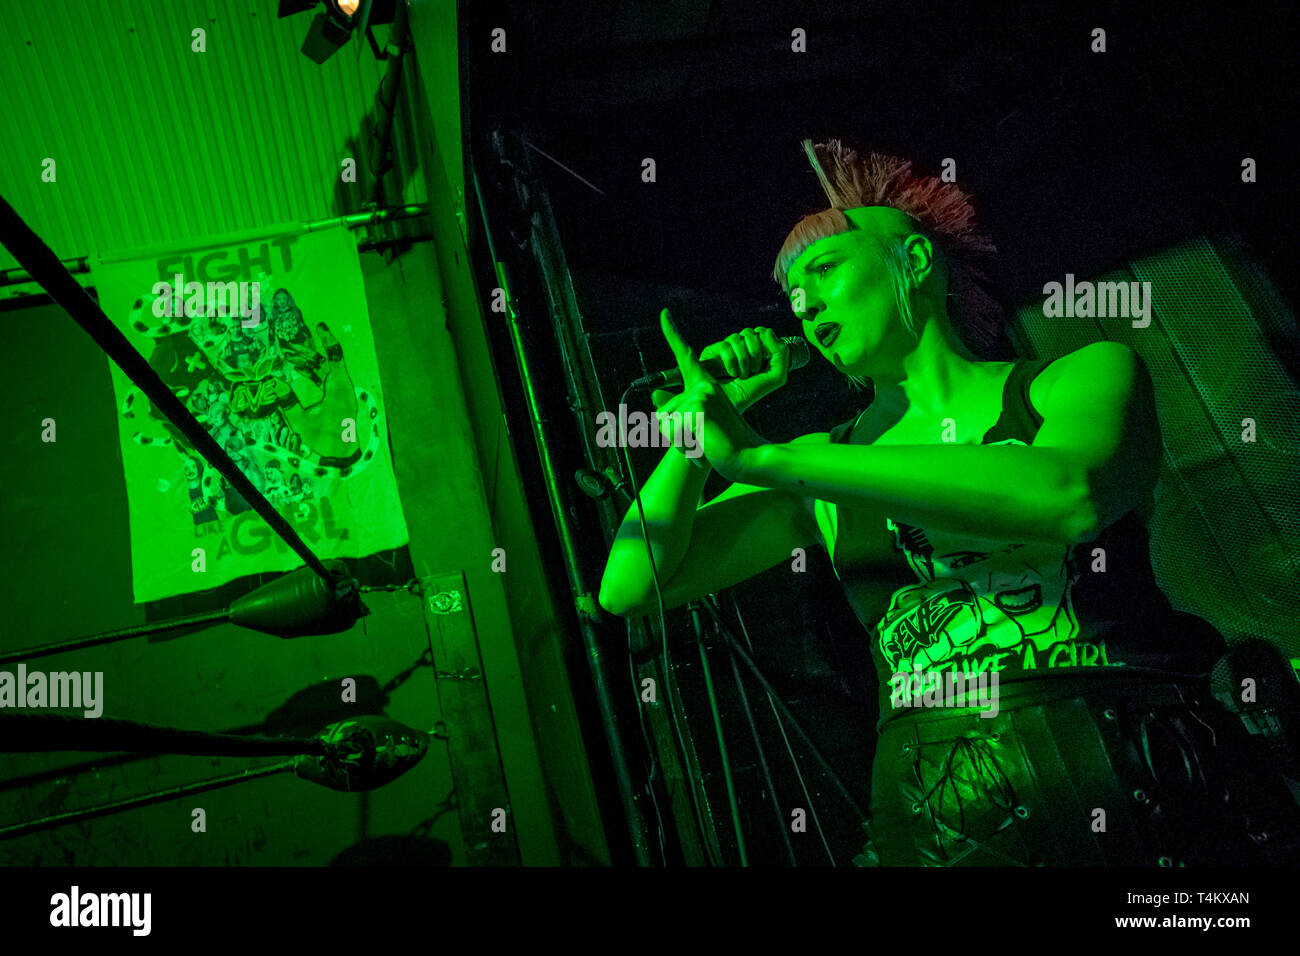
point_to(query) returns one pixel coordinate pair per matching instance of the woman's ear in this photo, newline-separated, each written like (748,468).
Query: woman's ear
(920,257)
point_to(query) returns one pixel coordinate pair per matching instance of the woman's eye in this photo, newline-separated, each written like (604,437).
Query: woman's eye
(824,265)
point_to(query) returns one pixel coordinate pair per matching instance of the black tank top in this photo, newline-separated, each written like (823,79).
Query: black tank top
(1027,611)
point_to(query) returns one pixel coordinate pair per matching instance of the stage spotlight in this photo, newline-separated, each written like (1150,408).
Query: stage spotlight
(336,23)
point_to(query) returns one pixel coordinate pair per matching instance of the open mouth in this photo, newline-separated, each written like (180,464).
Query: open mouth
(826,334)
(1019,601)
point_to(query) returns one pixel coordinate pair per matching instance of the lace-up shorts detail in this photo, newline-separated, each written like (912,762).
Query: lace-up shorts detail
(1146,775)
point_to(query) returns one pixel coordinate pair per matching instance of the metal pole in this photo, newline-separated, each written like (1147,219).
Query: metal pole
(728,779)
(745,659)
(560,511)
(80,265)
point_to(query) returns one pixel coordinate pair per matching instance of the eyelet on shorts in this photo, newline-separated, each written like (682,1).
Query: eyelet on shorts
(1109,713)
(916,808)
(1021,812)
(1140,796)
(1165,861)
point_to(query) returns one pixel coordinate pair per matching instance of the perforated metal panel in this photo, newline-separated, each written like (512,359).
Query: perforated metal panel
(1225,536)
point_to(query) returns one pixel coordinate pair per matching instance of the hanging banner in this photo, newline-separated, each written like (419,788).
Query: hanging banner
(268,344)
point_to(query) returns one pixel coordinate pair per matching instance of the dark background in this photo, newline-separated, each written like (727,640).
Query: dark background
(1077,160)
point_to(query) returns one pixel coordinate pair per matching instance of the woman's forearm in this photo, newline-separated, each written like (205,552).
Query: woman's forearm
(670,496)
(1004,492)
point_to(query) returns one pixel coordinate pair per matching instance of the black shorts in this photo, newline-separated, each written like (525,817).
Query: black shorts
(1122,774)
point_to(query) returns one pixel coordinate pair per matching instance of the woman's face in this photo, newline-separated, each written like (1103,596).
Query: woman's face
(849,306)
(850,312)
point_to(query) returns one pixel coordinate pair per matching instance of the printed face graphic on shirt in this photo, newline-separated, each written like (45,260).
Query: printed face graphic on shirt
(971,604)
(972,601)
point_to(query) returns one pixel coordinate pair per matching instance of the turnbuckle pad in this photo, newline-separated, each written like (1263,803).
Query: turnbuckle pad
(363,753)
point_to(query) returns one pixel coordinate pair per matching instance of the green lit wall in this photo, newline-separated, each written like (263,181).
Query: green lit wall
(66,558)
(67,566)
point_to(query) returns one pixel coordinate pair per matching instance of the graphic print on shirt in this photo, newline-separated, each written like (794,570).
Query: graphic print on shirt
(973,609)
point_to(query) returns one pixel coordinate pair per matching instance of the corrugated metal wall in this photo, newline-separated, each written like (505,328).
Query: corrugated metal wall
(156,143)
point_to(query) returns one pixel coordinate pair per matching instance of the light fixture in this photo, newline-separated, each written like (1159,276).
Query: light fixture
(335,24)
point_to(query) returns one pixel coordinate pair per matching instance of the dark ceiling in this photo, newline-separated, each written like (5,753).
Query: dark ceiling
(1077,160)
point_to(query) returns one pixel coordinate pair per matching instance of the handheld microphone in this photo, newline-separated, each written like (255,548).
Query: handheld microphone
(799,357)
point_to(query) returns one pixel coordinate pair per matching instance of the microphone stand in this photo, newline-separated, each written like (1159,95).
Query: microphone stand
(698,625)
(739,652)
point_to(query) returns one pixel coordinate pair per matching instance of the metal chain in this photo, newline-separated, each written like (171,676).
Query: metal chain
(412,585)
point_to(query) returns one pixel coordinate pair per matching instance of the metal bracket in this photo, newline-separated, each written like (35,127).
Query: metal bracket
(465,673)
(445,602)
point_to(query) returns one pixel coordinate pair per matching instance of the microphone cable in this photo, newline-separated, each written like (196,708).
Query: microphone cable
(663,631)
(800,355)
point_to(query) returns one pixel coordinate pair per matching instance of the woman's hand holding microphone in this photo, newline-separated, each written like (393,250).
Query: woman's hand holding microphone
(712,409)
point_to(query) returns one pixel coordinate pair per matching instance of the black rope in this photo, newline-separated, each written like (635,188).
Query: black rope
(39,733)
(45,268)
(141,800)
(107,637)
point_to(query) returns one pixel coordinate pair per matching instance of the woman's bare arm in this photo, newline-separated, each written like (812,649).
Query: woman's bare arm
(1096,457)
(742,532)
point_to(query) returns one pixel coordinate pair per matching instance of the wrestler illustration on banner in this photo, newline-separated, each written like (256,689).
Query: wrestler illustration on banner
(275,394)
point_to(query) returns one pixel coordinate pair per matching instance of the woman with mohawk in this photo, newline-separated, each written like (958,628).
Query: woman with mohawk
(987,520)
